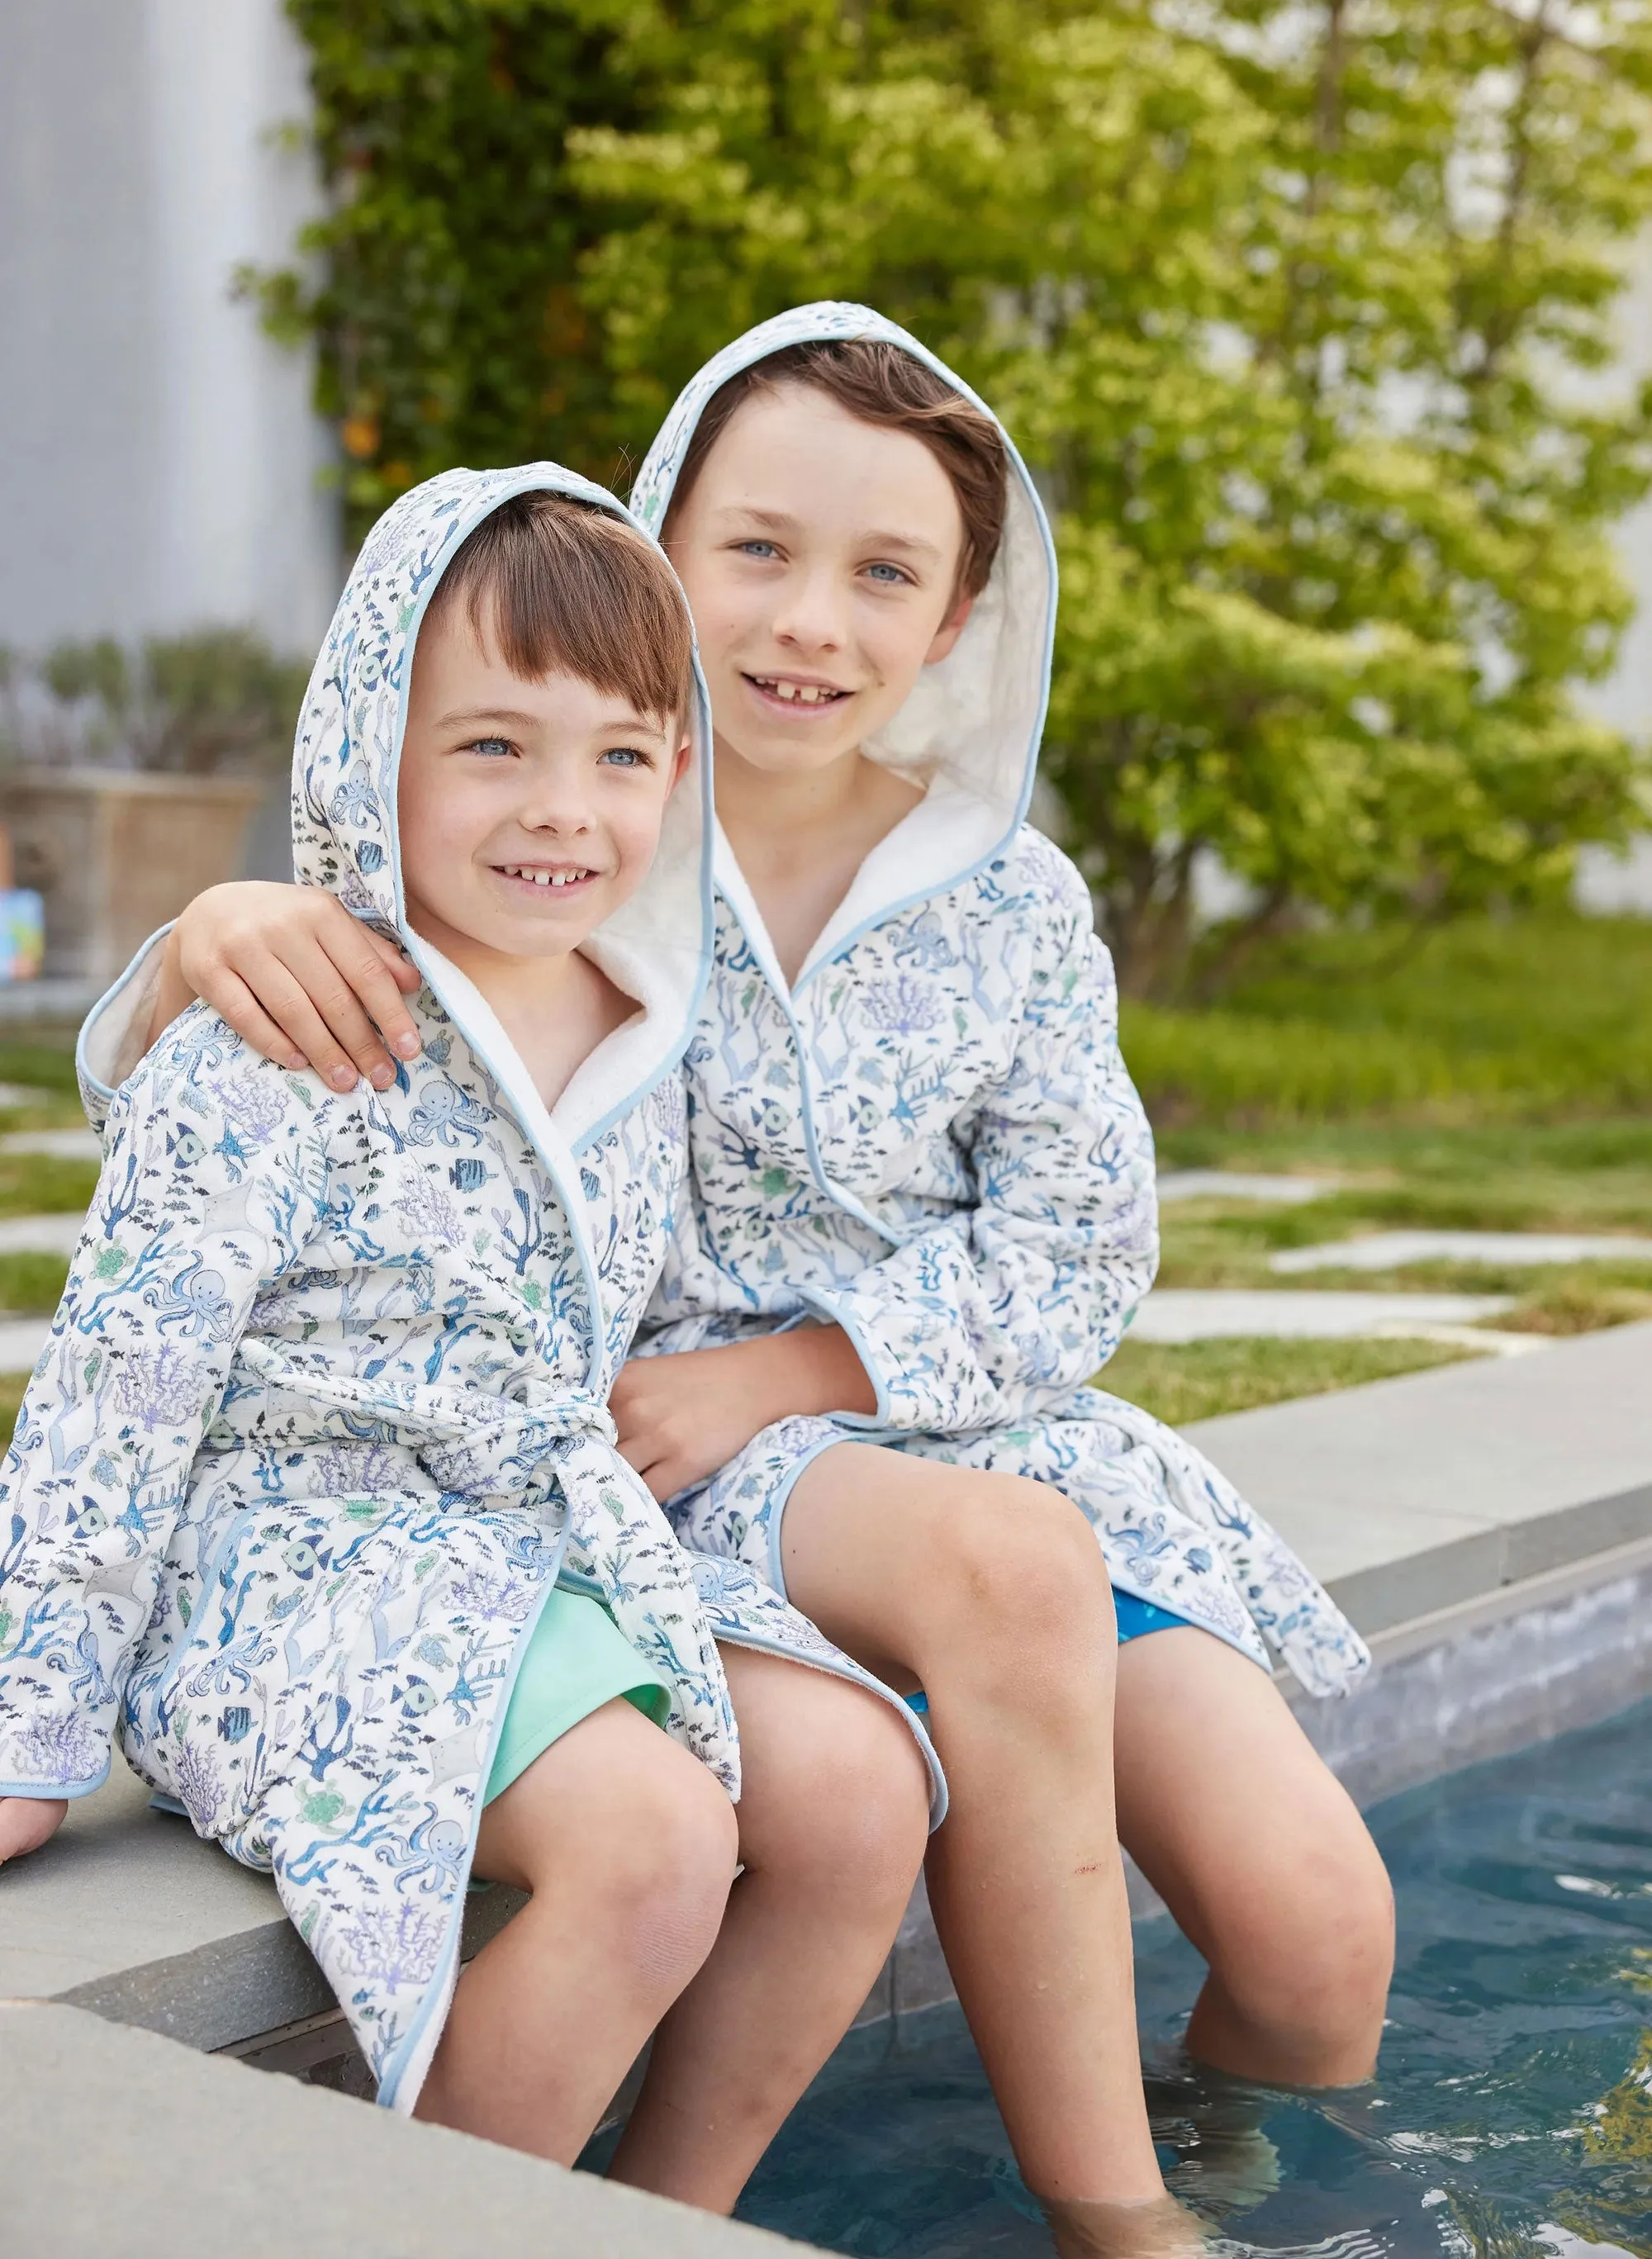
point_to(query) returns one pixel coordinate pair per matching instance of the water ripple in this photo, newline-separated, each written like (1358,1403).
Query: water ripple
(1512,2118)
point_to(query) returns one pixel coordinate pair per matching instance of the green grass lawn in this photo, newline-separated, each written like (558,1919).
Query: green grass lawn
(1529,1019)
(1210,1242)
(1582,1176)
(31,1286)
(1494,1077)
(1594,1177)
(1182,1381)
(44,1060)
(33,1183)
(11,1387)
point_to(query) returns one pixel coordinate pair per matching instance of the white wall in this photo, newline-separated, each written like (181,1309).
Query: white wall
(1606,883)
(158,455)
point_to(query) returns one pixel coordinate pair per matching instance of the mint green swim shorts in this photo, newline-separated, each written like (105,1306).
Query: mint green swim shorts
(577,1659)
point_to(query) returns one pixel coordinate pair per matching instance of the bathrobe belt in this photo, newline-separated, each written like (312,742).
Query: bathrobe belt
(558,1461)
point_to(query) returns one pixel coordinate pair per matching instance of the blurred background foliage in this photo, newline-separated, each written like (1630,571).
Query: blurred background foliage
(1301,311)
(214,702)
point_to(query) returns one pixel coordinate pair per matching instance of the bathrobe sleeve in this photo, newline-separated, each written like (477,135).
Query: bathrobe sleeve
(1021,1297)
(112,1037)
(208,1191)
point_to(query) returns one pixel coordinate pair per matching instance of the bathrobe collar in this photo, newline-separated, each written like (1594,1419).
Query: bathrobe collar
(972,724)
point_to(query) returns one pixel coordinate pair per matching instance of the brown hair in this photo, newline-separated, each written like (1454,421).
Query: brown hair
(883,384)
(559,586)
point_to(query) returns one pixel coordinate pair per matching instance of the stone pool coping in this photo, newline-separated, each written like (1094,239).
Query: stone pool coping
(268,2167)
(1406,1496)
(1488,1526)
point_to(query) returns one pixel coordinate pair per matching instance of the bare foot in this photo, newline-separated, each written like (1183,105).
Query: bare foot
(28,1821)
(1157,2228)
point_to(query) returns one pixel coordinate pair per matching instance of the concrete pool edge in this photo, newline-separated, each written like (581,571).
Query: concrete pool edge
(275,2168)
(1492,1674)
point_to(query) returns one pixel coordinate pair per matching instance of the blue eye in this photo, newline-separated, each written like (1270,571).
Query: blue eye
(492,748)
(757,548)
(895,579)
(626,757)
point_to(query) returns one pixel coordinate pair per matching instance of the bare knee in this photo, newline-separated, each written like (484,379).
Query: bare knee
(845,1814)
(655,1854)
(1022,1596)
(1313,1976)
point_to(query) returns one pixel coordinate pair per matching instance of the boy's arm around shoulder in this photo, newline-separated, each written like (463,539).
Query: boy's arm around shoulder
(215,1177)
(291,971)
(1028,1291)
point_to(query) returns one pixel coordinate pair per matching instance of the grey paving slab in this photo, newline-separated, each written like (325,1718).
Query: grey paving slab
(116,2142)
(1190,1313)
(21,1341)
(1241,1184)
(60,1144)
(127,1912)
(1338,1546)
(1386,1250)
(41,1234)
(1409,1493)
(53,999)
(119,1885)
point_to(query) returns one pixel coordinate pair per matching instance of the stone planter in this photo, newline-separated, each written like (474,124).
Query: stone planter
(115,852)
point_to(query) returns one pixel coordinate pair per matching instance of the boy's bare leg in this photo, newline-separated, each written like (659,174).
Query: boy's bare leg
(834,1816)
(1260,1855)
(627,1844)
(28,1821)
(991,1593)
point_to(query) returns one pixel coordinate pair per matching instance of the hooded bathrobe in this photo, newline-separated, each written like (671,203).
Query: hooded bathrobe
(320,1422)
(929,1137)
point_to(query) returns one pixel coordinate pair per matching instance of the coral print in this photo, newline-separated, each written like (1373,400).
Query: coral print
(321,1419)
(931,1138)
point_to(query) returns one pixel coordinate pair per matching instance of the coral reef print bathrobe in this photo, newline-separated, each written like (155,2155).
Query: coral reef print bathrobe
(930,1138)
(321,1416)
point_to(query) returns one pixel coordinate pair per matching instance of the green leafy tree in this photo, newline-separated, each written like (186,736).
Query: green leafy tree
(444,280)
(1301,313)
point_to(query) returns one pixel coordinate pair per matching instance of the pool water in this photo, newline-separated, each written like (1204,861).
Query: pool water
(1510,2118)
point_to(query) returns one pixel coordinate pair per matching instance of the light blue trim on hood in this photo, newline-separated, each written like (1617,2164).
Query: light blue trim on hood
(657,947)
(973,724)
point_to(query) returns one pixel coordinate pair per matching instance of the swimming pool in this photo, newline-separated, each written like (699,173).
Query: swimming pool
(1511,2118)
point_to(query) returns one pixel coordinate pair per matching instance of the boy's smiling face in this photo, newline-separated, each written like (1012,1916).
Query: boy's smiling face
(820,555)
(529,810)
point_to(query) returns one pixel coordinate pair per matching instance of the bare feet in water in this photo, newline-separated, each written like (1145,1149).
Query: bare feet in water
(1156,2229)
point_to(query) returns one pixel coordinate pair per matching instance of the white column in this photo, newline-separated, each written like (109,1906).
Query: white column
(243,530)
(157,454)
(1608,883)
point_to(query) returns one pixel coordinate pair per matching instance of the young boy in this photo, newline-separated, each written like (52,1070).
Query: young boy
(922,1216)
(320,1424)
